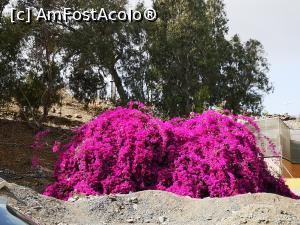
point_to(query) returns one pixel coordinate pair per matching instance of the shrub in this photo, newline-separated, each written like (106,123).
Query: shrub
(126,150)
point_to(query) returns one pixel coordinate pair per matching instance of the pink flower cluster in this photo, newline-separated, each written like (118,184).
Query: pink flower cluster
(126,150)
(39,143)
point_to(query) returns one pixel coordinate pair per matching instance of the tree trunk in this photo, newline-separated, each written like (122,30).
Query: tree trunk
(45,112)
(118,82)
(2,6)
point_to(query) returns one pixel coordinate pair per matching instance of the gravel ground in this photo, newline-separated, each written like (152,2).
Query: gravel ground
(153,207)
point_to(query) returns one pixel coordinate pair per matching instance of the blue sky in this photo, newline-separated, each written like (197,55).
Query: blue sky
(276,24)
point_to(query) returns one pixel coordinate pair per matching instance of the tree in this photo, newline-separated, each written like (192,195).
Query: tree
(97,49)
(182,54)
(10,44)
(90,53)
(243,79)
(182,62)
(41,64)
(190,58)
(28,94)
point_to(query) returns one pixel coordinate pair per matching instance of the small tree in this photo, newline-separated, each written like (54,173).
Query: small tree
(28,95)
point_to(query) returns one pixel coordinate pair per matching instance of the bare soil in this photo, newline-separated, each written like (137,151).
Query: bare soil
(17,136)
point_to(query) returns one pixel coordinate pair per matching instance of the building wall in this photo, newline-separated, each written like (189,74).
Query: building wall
(295,145)
(279,133)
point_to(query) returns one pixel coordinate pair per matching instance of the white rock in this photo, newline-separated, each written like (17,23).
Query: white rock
(162,219)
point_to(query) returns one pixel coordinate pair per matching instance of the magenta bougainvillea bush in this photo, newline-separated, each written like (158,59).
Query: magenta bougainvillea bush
(127,150)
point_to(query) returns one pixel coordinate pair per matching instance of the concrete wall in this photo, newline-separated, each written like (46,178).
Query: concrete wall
(287,142)
(279,133)
(295,146)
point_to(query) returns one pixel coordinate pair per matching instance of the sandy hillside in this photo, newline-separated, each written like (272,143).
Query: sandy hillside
(17,136)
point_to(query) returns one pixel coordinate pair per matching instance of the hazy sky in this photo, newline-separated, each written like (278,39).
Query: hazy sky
(276,24)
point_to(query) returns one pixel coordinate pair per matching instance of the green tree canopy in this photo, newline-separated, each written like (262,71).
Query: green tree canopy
(182,62)
(195,65)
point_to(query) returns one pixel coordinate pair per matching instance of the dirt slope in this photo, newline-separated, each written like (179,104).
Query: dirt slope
(154,207)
